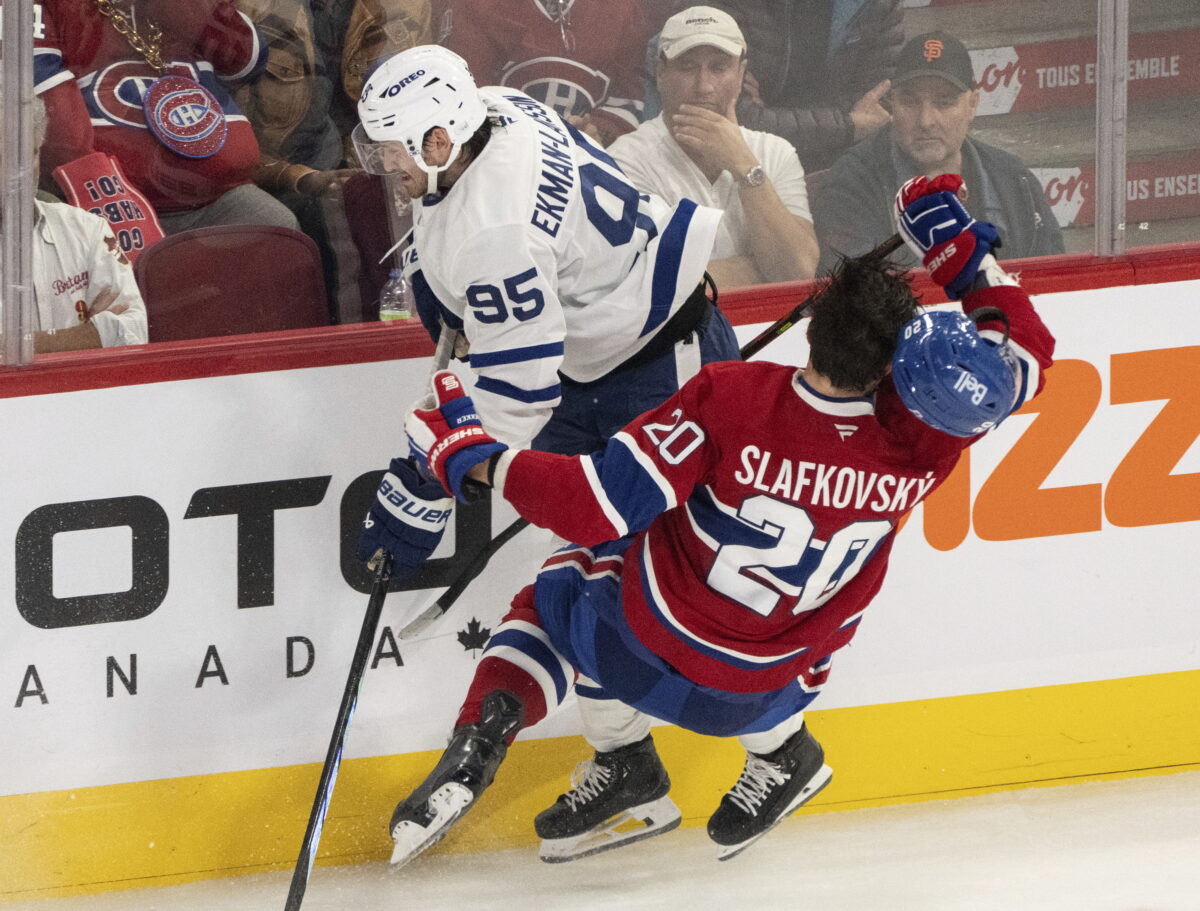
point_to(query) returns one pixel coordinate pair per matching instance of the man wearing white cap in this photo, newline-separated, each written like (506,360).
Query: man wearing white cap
(695,149)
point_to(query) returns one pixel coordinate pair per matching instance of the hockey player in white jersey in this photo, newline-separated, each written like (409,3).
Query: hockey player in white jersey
(583,300)
(580,297)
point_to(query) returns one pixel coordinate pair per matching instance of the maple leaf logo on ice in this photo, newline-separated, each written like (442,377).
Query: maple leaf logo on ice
(475,636)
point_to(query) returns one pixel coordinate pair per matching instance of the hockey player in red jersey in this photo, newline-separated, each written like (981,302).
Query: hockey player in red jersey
(727,543)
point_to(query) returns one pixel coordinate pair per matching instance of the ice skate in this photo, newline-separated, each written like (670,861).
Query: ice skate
(771,786)
(465,770)
(616,798)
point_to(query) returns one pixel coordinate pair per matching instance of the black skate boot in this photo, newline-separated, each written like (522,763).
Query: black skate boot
(772,785)
(465,770)
(608,791)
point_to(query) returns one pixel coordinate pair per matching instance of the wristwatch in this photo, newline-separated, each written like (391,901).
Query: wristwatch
(755,177)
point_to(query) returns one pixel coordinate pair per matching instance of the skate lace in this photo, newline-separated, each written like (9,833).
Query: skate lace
(758,778)
(587,783)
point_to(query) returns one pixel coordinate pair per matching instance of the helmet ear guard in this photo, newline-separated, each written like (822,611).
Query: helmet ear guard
(952,378)
(411,93)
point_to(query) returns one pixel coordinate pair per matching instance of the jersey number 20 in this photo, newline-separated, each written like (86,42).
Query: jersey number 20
(760,576)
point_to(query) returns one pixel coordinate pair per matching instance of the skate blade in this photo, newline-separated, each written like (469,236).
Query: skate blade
(806,794)
(655,818)
(448,803)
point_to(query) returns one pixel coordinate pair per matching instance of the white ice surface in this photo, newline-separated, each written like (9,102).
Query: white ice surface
(1130,845)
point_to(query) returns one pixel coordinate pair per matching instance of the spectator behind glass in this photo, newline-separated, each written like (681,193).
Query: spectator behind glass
(95,82)
(318,54)
(303,108)
(83,286)
(818,69)
(581,57)
(696,150)
(933,101)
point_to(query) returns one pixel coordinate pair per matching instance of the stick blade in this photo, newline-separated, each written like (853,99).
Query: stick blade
(421,622)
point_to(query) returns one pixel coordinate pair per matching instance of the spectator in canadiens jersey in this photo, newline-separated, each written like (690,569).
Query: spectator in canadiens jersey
(695,149)
(581,298)
(144,82)
(83,285)
(580,57)
(726,543)
(933,101)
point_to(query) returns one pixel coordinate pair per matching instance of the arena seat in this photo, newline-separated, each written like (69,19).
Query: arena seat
(229,280)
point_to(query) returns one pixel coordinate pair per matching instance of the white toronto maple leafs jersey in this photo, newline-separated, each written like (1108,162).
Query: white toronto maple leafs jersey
(549,260)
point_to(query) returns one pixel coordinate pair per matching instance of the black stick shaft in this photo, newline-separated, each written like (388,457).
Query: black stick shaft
(473,568)
(333,757)
(801,310)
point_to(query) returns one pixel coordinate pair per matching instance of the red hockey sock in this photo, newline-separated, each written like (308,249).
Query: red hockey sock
(496,672)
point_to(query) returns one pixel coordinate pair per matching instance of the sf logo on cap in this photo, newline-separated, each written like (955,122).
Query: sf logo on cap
(933,50)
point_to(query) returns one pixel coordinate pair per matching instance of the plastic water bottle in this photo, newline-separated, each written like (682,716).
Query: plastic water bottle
(396,298)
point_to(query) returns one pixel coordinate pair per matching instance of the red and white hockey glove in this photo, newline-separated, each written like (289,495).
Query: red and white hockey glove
(446,432)
(933,222)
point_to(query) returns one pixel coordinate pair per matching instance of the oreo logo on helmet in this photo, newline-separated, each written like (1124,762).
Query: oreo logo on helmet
(395,89)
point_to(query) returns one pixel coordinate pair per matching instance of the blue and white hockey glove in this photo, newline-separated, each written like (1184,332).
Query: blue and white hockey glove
(459,441)
(407,519)
(936,226)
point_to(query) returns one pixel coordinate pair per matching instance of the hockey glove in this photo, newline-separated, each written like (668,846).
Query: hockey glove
(936,226)
(407,518)
(459,440)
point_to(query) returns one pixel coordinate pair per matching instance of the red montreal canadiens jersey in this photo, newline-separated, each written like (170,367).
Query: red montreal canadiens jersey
(592,64)
(101,108)
(762,512)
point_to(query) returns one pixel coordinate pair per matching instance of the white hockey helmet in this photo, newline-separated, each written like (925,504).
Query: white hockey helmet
(407,96)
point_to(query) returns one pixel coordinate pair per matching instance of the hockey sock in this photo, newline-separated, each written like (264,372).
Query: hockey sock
(520,659)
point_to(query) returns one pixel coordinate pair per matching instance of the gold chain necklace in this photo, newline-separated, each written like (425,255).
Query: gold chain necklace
(149,46)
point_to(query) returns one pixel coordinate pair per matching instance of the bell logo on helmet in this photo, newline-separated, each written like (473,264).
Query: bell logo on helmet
(968,383)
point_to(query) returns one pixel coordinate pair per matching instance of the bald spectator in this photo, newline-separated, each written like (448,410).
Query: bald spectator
(695,149)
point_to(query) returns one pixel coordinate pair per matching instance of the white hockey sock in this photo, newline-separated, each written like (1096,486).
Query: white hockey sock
(770,740)
(608,723)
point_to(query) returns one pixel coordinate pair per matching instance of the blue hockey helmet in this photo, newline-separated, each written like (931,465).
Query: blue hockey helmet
(952,378)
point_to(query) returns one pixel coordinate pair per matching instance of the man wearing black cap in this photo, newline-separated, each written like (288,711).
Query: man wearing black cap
(933,101)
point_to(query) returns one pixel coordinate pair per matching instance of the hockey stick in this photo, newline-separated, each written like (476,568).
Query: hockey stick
(434,612)
(804,308)
(480,560)
(380,565)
